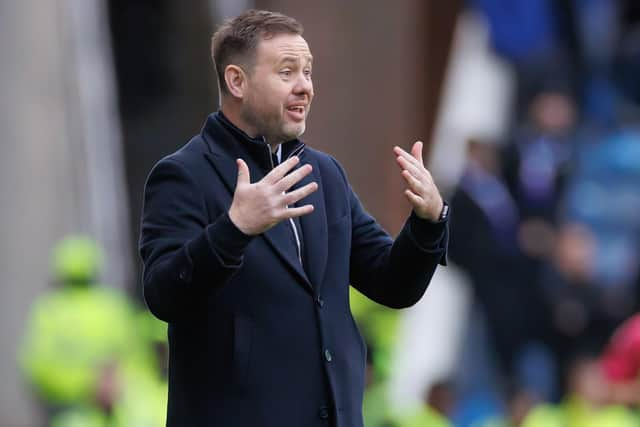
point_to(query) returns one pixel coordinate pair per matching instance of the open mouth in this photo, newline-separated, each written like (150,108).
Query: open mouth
(296,112)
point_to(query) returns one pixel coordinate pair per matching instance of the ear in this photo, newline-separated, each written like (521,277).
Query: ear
(236,80)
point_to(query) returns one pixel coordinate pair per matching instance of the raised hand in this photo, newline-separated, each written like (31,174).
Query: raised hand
(259,206)
(422,192)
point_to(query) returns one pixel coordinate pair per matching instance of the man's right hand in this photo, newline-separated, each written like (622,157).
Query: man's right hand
(258,207)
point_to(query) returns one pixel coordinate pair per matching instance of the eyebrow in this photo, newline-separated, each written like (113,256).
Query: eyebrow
(291,58)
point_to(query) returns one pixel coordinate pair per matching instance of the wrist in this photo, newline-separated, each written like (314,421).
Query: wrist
(437,214)
(444,212)
(233,217)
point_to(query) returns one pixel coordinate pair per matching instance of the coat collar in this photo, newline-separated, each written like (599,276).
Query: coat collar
(256,147)
(226,143)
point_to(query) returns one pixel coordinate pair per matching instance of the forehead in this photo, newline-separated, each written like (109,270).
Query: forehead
(283,46)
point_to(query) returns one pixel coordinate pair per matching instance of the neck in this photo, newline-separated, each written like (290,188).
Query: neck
(232,113)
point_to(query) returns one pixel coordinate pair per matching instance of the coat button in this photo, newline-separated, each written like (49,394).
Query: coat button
(327,355)
(323,413)
(319,301)
(183,275)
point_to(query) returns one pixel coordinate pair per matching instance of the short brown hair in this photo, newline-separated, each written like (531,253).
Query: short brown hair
(237,38)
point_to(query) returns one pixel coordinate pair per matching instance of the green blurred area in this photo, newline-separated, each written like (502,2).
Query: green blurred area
(91,356)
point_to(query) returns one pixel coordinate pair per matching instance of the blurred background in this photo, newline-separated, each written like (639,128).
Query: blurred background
(530,113)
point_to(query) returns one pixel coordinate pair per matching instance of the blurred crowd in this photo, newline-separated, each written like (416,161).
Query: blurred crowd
(545,224)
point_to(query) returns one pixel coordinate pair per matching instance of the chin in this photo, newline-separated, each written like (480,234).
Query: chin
(296,131)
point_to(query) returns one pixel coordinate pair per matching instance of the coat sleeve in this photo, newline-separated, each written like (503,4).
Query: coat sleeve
(184,256)
(394,273)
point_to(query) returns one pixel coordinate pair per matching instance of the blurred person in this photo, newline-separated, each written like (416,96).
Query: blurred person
(484,242)
(537,163)
(77,333)
(253,284)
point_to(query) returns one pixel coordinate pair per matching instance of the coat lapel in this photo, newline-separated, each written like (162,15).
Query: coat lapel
(314,227)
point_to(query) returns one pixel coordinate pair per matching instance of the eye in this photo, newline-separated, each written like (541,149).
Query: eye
(285,73)
(307,72)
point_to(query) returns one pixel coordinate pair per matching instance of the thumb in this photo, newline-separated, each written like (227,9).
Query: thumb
(243,172)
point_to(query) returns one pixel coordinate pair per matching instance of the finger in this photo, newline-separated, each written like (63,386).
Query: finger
(281,170)
(243,172)
(416,151)
(288,181)
(401,153)
(416,186)
(300,193)
(419,173)
(413,198)
(298,211)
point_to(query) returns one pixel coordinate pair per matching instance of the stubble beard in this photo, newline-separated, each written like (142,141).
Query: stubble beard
(271,125)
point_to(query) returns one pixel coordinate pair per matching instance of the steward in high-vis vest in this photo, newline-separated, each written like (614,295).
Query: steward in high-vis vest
(76,330)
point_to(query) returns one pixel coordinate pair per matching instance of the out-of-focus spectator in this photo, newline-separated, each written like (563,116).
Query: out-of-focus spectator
(537,161)
(484,242)
(86,354)
(75,330)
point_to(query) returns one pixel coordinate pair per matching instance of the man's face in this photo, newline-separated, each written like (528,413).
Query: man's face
(279,88)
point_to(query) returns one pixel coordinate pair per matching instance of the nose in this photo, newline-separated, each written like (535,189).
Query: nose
(304,86)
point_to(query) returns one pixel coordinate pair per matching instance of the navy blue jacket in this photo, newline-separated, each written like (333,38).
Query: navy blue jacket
(256,338)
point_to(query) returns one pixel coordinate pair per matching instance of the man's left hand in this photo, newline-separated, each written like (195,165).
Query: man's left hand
(422,192)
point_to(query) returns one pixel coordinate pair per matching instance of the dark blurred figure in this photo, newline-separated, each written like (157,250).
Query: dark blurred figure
(537,164)
(484,242)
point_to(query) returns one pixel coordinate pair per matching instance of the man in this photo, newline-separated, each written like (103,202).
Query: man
(250,262)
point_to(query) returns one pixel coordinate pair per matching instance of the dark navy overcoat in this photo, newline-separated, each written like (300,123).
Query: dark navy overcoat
(257,338)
